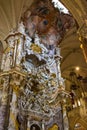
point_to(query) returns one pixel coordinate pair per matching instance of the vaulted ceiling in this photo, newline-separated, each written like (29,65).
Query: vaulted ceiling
(71,51)
(11,11)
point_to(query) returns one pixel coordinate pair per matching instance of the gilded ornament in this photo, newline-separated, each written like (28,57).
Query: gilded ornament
(18,41)
(53,83)
(36,48)
(53,75)
(16,89)
(7,50)
(54,127)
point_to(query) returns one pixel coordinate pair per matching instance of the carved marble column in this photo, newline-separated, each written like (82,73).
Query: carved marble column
(4,102)
(16,84)
(13,124)
(65,120)
(58,70)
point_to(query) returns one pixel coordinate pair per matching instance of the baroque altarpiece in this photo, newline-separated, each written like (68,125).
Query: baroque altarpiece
(32,88)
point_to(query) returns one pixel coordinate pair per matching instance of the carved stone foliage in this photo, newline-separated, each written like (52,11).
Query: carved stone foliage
(37,92)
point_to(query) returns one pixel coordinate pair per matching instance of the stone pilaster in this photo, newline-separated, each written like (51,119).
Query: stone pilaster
(13,124)
(4,102)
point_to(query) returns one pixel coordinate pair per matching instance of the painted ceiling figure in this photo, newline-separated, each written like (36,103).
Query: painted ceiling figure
(47,21)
